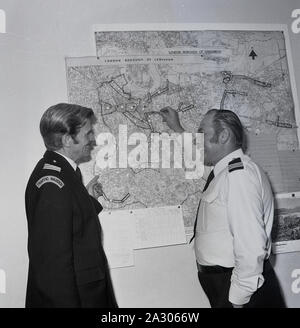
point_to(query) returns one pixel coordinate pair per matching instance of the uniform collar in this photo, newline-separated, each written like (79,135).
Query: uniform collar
(223,163)
(69,160)
(54,158)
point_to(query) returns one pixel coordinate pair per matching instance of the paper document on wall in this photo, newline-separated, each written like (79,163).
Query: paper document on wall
(262,148)
(126,230)
(118,238)
(286,226)
(159,226)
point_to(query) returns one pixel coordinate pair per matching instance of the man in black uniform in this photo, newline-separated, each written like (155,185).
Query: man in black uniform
(67,263)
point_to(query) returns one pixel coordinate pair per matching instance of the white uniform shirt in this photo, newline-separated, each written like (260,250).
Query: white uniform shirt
(234,224)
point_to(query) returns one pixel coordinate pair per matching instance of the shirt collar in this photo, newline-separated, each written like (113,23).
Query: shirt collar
(223,163)
(70,161)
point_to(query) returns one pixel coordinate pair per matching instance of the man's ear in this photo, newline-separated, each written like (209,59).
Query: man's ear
(66,140)
(224,136)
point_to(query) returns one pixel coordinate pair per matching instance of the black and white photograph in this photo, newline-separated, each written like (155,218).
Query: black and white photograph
(150,157)
(286,226)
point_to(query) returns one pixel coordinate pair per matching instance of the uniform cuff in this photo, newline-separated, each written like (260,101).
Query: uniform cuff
(238,295)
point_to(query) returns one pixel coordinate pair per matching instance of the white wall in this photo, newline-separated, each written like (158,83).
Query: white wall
(40,33)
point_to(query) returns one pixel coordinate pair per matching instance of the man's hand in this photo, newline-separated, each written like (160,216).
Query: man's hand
(237,306)
(170,116)
(94,187)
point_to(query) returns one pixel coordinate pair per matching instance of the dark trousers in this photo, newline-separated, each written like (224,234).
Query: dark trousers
(216,287)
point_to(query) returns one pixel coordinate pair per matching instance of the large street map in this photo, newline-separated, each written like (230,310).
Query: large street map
(136,73)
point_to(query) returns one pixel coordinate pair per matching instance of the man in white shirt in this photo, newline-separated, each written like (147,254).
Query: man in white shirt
(234,218)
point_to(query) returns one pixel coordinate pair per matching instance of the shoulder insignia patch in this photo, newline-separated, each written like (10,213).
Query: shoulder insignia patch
(235,164)
(51,167)
(49,179)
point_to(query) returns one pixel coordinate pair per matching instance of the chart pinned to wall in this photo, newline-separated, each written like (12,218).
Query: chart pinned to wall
(139,69)
(286,228)
(129,230)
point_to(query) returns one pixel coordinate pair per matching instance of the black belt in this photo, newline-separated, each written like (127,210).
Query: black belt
(212,268)
(220,269)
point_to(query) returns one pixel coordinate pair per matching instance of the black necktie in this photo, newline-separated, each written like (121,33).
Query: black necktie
(208,181)
(78,173)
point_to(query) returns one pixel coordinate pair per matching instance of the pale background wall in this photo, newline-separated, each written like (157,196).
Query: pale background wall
(40,33)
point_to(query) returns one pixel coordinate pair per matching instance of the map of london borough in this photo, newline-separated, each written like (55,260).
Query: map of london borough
(136,73)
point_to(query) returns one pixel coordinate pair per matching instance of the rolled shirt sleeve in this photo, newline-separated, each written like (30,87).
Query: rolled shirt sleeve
(246,221)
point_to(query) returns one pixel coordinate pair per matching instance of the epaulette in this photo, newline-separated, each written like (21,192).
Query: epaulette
(51,167)
(235,164)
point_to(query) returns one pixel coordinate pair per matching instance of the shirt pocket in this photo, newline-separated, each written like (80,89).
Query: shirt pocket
(214,212)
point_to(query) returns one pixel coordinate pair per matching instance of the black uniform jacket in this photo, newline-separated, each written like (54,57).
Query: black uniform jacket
(67,264)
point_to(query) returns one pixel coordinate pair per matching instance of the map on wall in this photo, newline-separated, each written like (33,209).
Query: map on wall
(136,73)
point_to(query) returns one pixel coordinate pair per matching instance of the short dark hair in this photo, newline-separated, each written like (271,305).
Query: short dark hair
(223,117)
(63,119)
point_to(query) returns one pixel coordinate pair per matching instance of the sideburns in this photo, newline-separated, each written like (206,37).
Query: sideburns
(74,139)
